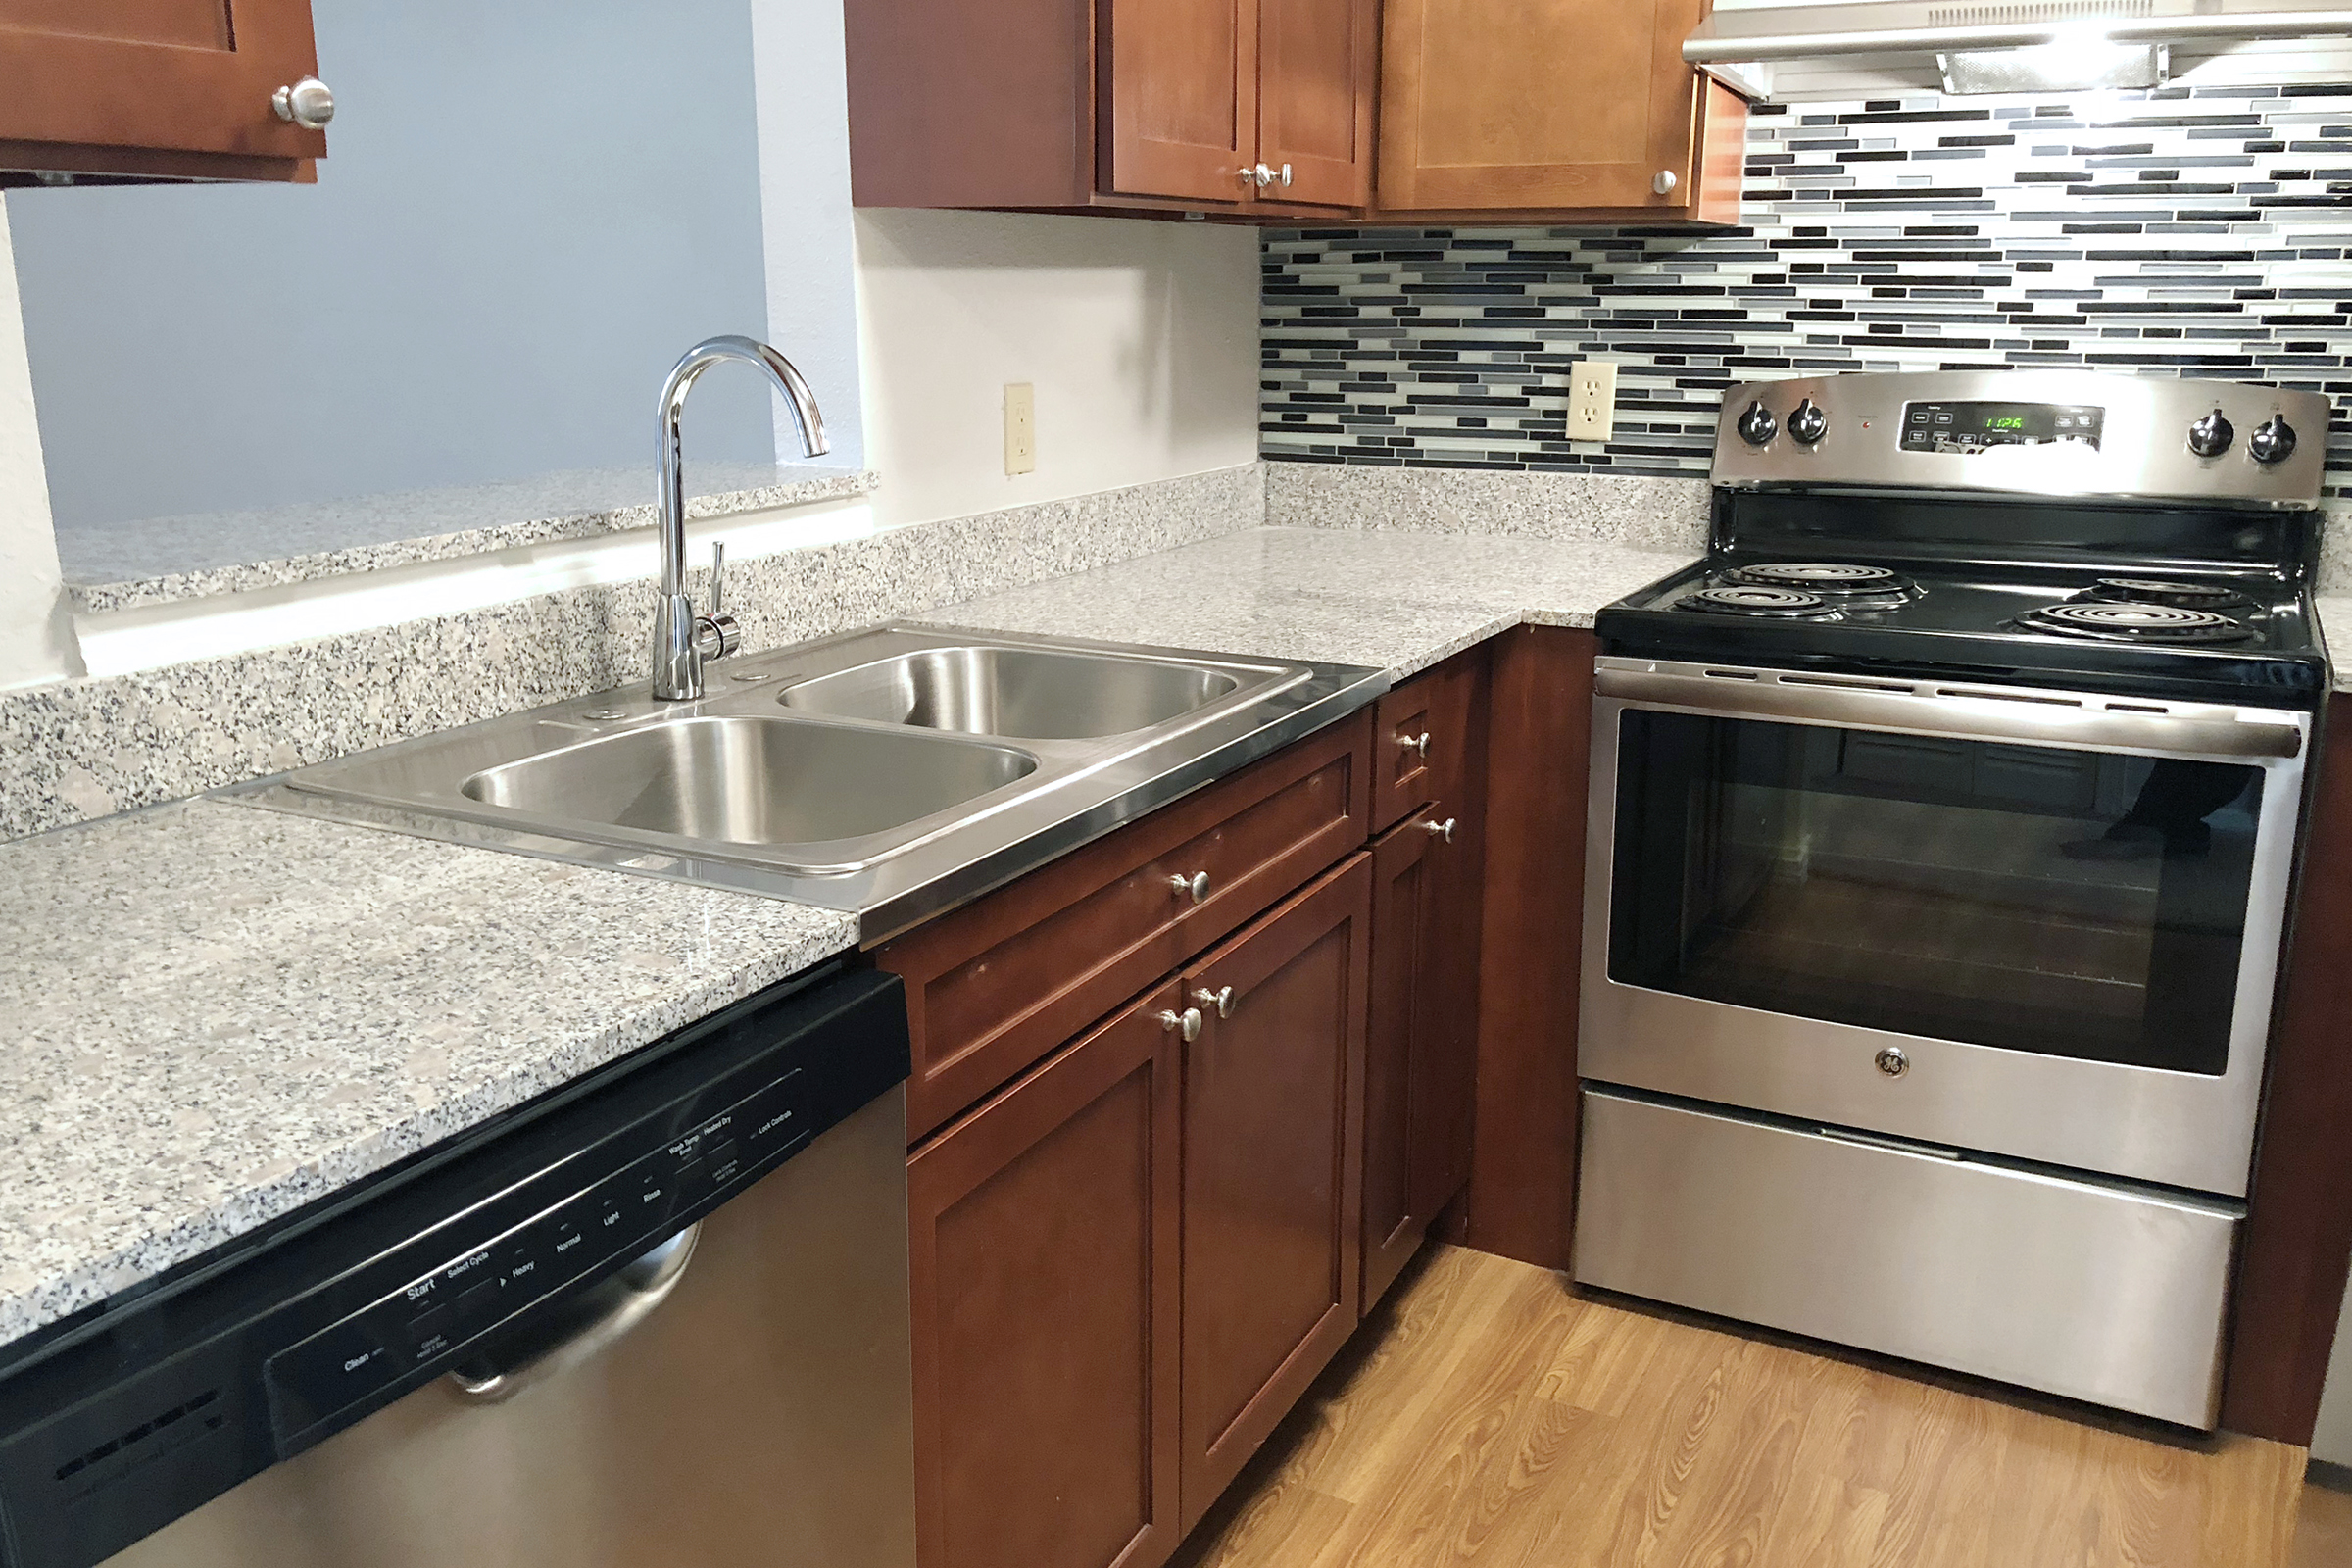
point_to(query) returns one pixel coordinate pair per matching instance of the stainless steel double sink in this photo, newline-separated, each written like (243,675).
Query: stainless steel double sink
(892,772)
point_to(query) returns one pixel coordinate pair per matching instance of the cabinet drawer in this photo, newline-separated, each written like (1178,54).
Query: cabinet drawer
(1421,741)
(992,987)
(2109,1293)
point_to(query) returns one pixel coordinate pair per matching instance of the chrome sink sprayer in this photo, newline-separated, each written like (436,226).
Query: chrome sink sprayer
(683,639)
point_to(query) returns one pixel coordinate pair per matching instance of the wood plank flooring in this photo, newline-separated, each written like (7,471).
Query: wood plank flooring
(1490,1415)
(2324,1528)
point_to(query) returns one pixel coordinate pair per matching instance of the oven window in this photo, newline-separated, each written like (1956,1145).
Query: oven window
(2073,903)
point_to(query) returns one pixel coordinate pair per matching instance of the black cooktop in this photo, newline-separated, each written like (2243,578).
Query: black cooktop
(2174,603)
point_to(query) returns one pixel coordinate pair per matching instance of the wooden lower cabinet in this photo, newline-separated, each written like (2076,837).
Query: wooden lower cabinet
(1421,1056)
(1273,1119)
(1044,1236)
(1129,1262)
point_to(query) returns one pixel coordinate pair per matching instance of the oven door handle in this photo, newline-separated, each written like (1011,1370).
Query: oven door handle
(1933,708)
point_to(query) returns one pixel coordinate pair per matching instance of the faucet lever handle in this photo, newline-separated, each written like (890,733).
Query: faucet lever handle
(717,635)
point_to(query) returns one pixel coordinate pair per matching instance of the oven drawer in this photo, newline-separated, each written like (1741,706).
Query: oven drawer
(2101,1292)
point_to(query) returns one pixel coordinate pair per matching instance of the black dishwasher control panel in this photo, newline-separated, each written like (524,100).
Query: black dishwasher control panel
(131,1413)
(494,1274)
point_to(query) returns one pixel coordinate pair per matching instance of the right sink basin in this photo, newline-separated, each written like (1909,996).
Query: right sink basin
(1016,693)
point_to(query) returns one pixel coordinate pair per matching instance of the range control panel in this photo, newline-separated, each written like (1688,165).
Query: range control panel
(2028,432)
(459,1297)
(1972,426)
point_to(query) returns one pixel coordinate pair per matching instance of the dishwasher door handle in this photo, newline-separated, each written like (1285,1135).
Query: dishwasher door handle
(536,1350)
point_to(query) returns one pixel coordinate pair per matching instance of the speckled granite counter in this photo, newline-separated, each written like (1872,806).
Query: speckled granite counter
(2335,627)
(217,1015)
(1399,602)
(214,1014)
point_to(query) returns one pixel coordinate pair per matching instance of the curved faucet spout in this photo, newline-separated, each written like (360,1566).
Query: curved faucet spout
(678,645)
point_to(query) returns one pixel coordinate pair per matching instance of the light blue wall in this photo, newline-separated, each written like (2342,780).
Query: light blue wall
(530,208)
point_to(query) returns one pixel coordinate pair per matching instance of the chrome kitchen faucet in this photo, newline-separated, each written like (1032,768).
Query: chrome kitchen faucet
(683,639)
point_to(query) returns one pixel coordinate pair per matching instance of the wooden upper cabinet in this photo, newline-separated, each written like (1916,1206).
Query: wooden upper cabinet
(1111,104)
(1180,83)
(161,88)
(1545,105)
(1318,70)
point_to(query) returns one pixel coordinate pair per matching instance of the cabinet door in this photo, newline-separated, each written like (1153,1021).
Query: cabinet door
(180,75)
(1180,84)
(1500,104)
(1045,1290)
(1420,1060)
(1273,1138)
(1317,62)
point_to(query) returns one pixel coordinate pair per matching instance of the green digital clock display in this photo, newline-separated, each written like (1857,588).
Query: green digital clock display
(2006,422)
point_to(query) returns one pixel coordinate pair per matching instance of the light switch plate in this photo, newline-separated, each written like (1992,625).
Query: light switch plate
(1020,428)
(1593,400)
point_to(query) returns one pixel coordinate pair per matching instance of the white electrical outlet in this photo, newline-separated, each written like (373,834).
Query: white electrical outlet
(1593,400)
(1020,428)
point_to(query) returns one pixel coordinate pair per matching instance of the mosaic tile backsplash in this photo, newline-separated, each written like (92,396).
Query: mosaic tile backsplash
(2201,234)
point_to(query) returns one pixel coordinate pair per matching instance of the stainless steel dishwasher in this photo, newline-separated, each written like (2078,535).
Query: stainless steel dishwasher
(658,1318)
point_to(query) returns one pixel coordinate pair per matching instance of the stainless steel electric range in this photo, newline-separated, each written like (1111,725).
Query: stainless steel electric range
(1943,822)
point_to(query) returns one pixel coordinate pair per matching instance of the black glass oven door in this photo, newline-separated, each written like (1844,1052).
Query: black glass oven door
(2069,903)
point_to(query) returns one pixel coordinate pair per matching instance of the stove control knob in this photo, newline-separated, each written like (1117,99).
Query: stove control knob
(2210,436)
(1808,424)
(2273,441)
(1757,425)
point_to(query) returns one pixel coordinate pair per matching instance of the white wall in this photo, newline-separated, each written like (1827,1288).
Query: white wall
(801,99)
(2332,1441)
(1141,338)
(36,640)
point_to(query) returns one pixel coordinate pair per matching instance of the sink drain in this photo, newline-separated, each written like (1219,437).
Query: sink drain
(604,712)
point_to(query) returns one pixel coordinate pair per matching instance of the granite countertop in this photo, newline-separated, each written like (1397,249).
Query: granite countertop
(2335,629)
(1398,602)
(219,1013)
(125,565)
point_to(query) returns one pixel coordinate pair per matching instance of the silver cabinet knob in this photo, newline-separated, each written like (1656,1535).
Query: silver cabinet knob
(1440,830)
(308,103)
(1285,176)
(1220,998)
(1196,885)
(1418,744)
(1249,175)
(1665,182)
(1189,1020)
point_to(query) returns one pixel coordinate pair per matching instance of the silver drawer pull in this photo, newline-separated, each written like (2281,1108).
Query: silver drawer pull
(1416,744)
(1440,830)
(1189,1020)
(1196,885)
(1220,998)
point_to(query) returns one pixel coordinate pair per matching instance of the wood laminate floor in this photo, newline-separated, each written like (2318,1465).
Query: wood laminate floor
(1489,1415)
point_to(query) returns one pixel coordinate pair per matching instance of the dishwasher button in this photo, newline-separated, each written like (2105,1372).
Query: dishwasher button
(429,1333)
(724,1161)
(333,1369)
(522,1263)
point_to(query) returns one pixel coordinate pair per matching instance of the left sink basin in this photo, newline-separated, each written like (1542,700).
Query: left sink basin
(737,780)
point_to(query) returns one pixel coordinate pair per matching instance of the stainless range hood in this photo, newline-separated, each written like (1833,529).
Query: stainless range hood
(1831,48)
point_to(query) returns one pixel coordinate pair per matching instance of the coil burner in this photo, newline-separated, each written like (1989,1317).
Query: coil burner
(2162,591)
(1771,604)
(1843,581)
(2122,622)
